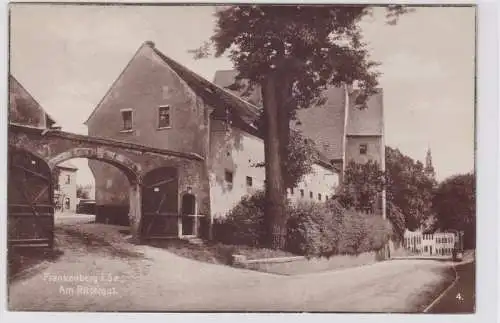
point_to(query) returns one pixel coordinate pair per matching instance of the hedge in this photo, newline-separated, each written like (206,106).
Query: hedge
(314,229)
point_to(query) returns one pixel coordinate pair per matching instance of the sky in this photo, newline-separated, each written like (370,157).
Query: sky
(67,57)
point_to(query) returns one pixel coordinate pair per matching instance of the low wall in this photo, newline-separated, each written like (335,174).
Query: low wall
(302,265)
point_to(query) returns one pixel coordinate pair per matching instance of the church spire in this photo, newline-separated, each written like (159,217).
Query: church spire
(429,169)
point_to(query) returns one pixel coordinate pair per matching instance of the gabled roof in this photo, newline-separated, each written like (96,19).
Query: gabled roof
(248,111)
(19,96)
(368,121)
(210,91)
(326,125)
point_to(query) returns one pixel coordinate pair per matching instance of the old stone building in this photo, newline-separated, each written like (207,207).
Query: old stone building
(24,109)
(159,103)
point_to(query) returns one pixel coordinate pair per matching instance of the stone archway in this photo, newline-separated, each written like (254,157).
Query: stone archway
(129,167)
(124,164)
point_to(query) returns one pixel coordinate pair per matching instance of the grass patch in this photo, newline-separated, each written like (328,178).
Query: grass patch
(215,253)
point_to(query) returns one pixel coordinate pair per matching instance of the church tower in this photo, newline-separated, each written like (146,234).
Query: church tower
(429,169)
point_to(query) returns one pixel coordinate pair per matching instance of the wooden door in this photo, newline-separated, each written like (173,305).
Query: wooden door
(30,200)
(160,211)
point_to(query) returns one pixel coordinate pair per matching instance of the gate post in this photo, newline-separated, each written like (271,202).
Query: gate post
(135,215)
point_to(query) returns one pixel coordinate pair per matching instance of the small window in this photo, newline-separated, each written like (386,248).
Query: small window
(68,179)
(363,148)
(127,119)
(319,196)
(291,191)
(311,194)
(326,197)
(229,177)
(164,117)
(301,193)
(249,181)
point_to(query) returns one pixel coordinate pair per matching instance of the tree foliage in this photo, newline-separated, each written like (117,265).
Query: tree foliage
(454,205)
(300,158)
(82,192)
(408,187)
(361,186)
(310,46)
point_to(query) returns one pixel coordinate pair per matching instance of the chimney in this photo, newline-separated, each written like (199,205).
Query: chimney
(149,43)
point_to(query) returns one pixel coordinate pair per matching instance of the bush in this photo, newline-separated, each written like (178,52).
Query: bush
(244,224)
(363,232)
(313,229)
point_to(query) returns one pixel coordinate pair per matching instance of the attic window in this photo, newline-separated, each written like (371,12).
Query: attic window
(164,117)
(127,119)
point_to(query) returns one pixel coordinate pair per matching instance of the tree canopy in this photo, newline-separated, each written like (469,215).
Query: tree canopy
(408,187)
(361,186)
(454,204)
(310,46)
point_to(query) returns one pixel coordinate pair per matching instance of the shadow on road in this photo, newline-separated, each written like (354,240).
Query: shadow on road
(23,262)
(461,298)
(95,242)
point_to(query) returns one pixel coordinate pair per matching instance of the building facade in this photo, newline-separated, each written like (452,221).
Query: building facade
(340,130)
(65,188)
(159,103)
(433,244)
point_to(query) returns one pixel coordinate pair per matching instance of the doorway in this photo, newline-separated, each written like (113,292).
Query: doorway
(188,212)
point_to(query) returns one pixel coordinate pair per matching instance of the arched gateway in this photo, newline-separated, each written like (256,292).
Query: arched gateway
(154,176)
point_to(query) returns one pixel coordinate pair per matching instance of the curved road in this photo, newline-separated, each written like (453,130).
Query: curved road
(144,278)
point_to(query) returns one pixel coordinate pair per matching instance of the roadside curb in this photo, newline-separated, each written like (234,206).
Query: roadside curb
(431,305)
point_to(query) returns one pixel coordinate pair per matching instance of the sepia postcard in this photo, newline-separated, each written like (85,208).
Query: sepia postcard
(241,158)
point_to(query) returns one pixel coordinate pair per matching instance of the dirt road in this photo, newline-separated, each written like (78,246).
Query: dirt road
(99,271)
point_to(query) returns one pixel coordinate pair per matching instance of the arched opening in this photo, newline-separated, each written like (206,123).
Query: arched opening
(114,179)
(30,218)
(188,212)
(160,211)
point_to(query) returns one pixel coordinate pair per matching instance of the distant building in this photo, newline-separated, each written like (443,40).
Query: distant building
(65,187)
(429,168)
(434,244)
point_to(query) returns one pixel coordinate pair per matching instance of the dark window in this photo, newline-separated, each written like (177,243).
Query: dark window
(302,193)
(164,117)
(127,119)
(319,196)
(363,148)
(229,177)
(326,197)
(68,179)
(249,181)
(311,194)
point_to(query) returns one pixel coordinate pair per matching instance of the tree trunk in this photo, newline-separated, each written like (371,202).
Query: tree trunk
(275,207)
(284,107)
